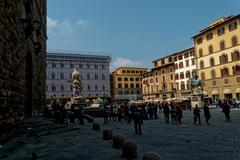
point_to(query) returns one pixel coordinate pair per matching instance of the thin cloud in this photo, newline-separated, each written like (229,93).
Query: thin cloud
(51,22)
(125,62)
(82,23)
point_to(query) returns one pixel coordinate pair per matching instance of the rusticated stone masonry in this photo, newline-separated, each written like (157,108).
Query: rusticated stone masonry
(22,62)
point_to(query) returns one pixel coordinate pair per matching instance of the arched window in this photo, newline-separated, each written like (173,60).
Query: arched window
(53,75)
(54,88)
(223,58)
(89,87)
(131,85)
(235,55)
(137,85)
(96,76)
(213,74)
(95,66)
(224,72)
(236,70)
(201,64)
(62,75)
(222,45)
(103,76)
(210,49)
(182,85)
(80,66)
(202,75)
(119,85)
(234,41)
(88,66)
(126,85)
(88,76)
(62,87)
(200,52)
(103,87)
(96,87)
(212,62)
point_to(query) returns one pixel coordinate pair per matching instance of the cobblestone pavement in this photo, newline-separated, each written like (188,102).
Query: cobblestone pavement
(218,141)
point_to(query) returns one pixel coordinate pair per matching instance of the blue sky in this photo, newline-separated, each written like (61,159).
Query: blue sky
(135,32)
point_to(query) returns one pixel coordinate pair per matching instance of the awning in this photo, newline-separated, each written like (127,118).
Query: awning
(238,90)
(227,91)
(205,93)
(214,92)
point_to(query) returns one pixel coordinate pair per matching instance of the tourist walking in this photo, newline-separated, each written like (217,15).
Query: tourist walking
(226,110)
(196,115)
(179,113)
(173,113)
(206,113)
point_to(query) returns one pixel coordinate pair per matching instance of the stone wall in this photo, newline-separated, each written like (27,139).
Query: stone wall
(22,62)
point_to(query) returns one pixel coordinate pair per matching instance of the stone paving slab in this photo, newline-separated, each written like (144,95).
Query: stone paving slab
(218,141)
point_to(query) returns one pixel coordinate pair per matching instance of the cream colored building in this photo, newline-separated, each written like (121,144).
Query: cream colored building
(217,49)
(159,83)
(126,83)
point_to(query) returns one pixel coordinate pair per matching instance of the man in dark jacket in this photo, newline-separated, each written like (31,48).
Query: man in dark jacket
(196,115)
(206,113)
(137,120)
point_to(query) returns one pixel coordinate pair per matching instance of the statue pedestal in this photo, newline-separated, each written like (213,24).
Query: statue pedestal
(196,100)
(76,102)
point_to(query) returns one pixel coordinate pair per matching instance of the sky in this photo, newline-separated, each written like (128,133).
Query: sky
(133,32)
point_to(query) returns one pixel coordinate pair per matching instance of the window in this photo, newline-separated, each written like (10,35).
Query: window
(236,70)
(170,59)
(186,55)
(123,71)
(212,63)
(126,85)
(71,88)
(103,87)
(131,85)
(103,76)
(131,79)
(201,64)
(89,88)
(213,74)
(155,64)
(192,53)
(232,26)
(180,57)
(62,65)
(220,31)
(120,92)
(181,65)
(182,86)
(210,49)
(181,75)
(193,61)
(200,52)
(88,66)
(176,66)
(187,63)
(209,36)
(171,76)
(176,76)
(62,88)
(199,40)
(96,87)
(188,74)
(62,75)
(162,61)
(235,55)
(202,75)
(54,88)
(137,85)
(175,59)
(214,83)
(119,85)
(95,66)
(53,65)
(96,76)
(71,65)
(128,71)
(222,45)
(103,66)
(119,79)
(137,79)
(223,59)
(80,66)
(225,81)
(53,75)
(125,79)
(88,76)
(224,72)
(234,41)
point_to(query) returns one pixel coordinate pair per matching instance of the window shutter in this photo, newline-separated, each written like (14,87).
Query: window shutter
(220,59)
(232,55)
(234,71)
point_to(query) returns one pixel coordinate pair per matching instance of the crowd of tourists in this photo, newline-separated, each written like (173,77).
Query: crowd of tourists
(138,112)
